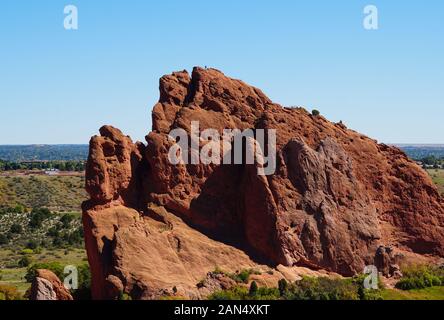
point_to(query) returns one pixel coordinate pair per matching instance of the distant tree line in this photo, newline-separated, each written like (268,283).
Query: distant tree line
(423,152)
(78,165)
(44,153)
(433,161)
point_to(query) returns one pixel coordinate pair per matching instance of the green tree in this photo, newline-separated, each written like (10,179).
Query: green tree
(283,286)
(55,267)
(315,112)
(19,209)
(16,228)
(253,289)
(84,290)
(3,239)
(38,216)
(24,262)
(66,220)
(32,244)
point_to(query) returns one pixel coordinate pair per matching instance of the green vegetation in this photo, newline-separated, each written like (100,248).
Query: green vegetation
(306,289)
(438,178)
(253,289)
(43,165)
(9,293)
(40,219)
(418,283)
(243,293)
(418,152)
(3,239)
(315,112)
(17,276)
(40,229)
(84,290)
(420,277)
(16,229)
(432,293)
(44,153)
(57,193)
(36,239)
(432,161)
(242,276)
(24,261)
(38,216)
(55,267)
(84,277)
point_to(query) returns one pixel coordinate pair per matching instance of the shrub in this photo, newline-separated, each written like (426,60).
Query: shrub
(3,239)
(267,294)
(367,294)
(323,289)
(306,289)
(18,209)
(38,216)
(126,297)
(282,286)
(243,276)
(32,244)
(66,220)
(57,242)
(53,232)
(16,229)
(24,262)
(27,251)
(420,277)
(84,290)
(242,293)
(9,293)
(236,293)
(55,267)
(253,289)
(315,112)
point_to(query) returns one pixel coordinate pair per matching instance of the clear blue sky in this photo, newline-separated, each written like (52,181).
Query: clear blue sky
(59,86)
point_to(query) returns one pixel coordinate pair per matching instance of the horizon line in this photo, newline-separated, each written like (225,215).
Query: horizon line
(404,144)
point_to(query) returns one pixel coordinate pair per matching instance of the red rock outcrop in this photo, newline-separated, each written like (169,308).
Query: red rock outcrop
(335,198)
(47,286)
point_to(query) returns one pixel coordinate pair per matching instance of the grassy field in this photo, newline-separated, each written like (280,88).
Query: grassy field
(57,193)
(16,276)
(63,195)
(433,293)
(438,178)
(65,256)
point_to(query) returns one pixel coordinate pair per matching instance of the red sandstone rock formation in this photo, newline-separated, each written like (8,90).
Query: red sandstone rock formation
(335,198)
(47,286)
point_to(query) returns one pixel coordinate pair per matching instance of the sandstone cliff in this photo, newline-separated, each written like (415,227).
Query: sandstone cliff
(337,197)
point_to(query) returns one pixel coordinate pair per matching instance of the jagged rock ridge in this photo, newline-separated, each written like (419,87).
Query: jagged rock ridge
(335,198)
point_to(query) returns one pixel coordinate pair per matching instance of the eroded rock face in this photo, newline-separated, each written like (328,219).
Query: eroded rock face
(47,286)
(335,198)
